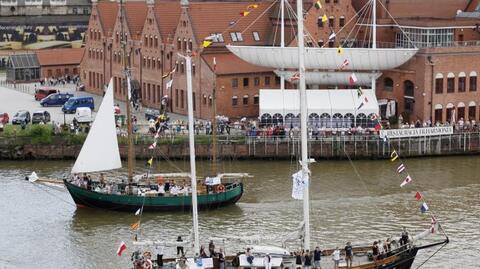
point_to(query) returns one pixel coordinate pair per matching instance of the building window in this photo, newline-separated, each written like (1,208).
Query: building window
(156,42)
(472,111)
(320,43)
(256,81)
(267,80)
(450,83)
(408,88)
(182,68)
(245,99)
(245,82)
(327,1)
(86,11)
(234,82)
(309,44)
(74,11)
(330,43)
(341,22)
(210,102)
(193,69)
(462,81)
(277,80)
(388,84)
(255,100)
(204,99)
(256,36)
(179,44)
(473,82)
(439,84)
(234,101)
(320,22)
(236,36)
(331,22)
(182,98)
(194,103)
(217,37)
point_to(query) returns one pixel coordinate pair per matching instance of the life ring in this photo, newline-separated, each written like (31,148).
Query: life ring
(220,188)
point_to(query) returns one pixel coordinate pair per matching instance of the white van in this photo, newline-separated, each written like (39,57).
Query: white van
(83,115)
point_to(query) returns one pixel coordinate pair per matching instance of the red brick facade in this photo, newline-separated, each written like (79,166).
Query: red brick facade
(158,31)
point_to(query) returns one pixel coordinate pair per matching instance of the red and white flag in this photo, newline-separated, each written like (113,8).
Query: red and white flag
(352,79)
(374,117)
(433,225)
(295,76)
(401,168)
(152,146)
(214,64)
(407,180)
(121,248)
(345,64)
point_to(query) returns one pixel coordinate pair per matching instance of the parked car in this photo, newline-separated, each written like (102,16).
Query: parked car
(151,114)
(43,92)
(56,99)
(21,116)
(4,118)
(40,116)
(83,115)
(75,102)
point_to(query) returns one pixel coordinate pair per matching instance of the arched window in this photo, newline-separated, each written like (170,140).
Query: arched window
(473,81)
(472,110)
(348,120)
(450,82)
(362,120)
(462,82)
(266,119)
(461,110)
(450,114)
(277,119)
(337,120)
(408,89)
(388,84)
(290,120)
(313,119)
(439,83)
(325,120)
(438,113)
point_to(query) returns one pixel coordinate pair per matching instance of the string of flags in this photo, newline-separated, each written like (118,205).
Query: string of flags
(424,208)
(208,41)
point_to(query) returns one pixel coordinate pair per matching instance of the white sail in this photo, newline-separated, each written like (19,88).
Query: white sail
(331,78)
(100,150)
(324,58)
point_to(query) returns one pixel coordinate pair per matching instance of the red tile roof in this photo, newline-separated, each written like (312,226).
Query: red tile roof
(217,17)
(136,13)
(228,63)
(107,12)
(48,57)
(167,15)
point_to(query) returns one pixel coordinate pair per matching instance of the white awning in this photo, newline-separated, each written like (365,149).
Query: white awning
(461,104)
(324,58)
(331,78)
(318,101)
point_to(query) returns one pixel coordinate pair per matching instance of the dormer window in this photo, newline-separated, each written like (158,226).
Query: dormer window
(236,36)
(217,37)
(256,36)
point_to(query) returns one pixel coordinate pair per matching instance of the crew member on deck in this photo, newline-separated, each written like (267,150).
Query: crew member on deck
(348,254)
(180,245)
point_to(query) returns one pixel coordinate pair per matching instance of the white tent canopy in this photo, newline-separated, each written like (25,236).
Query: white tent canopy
(332,78)
(330,102)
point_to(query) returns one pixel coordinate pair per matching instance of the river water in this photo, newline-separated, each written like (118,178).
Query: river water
(358,202)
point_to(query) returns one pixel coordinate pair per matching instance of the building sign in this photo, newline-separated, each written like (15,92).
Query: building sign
(414,132)
(42,36)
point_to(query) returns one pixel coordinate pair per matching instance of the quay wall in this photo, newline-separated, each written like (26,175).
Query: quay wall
(335,147)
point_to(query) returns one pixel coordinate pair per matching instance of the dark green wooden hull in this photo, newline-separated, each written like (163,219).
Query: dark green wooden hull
(82,197)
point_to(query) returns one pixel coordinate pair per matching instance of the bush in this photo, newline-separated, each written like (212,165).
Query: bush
(40,134)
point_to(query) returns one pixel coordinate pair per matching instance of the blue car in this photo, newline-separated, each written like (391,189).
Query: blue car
(56,99)
(75,102)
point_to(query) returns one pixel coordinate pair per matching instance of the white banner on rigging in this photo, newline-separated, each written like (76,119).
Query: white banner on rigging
(299,184)
(416,132)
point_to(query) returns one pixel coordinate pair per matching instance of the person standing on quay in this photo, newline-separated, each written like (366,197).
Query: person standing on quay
(307,264)
(317,256)
(211,248)
(336,257)
(180,245)
(349,254)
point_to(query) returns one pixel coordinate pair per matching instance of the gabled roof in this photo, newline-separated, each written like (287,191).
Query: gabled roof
(107,13)
(167,14)
(27,60)
(217,17)
(72,56)
(136,13)
(228,63)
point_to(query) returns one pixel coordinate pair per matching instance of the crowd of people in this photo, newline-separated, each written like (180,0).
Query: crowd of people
(61,80)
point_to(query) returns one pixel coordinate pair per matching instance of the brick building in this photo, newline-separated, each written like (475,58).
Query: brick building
(440,78)
(59,62)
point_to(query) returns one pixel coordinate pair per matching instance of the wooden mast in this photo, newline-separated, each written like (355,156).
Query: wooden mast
(214,128)
(126,89)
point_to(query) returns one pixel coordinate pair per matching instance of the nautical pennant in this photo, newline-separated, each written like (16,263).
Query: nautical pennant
(252,6)
(424,207)
(345,64)
(359,92)
(324,18)
(339,50)
(332,36)
(352,79)
(138,212)
(135,225)
(150,162)
(244,13)
(206,43)
(418,196)
(152,146)
(214,64)
(393,156)
(374,117)
(169,73)
(121,248)
(407,180)
(433,225)
(377,126)
(318,5)
(360,106)
(401,168)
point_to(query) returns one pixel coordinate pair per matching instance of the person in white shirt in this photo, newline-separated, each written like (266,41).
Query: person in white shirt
(336,257)
(174,190)
(267,261)
(161,190)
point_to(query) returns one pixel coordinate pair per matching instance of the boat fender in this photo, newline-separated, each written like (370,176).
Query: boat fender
(220,188)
